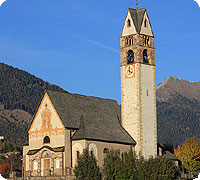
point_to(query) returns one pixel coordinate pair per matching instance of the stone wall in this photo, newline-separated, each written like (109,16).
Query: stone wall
(45,178)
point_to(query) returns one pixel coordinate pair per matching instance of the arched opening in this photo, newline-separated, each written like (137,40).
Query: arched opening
(145,23)
(106,150)
(46,140)
(77,154)
(130,57)
(92,151)
(130,42)
(128,23)
(145,60)
(126,42)
(145,40)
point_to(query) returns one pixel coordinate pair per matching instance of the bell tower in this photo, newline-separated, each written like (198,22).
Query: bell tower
(138,86)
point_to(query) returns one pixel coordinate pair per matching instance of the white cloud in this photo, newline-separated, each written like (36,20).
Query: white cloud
(2,1)
(1,178)
(198,1)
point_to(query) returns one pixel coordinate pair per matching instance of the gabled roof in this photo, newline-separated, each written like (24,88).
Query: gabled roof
(101,117)
(137,16)
(56,149)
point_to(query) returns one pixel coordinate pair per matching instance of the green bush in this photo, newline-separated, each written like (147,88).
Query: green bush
(131,167)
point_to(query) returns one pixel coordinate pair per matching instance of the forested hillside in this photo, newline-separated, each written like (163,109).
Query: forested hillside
(178,110)
(21,90)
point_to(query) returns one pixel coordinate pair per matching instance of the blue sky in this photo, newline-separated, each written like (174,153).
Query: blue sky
(75,44)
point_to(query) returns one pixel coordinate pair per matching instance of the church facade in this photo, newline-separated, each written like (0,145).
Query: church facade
(65,124)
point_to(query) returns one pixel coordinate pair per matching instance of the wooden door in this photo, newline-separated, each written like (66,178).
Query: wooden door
(46,164)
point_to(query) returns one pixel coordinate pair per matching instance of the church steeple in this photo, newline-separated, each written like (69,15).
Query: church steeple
(138,91)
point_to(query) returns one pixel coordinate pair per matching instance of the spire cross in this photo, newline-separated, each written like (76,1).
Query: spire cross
(136,4)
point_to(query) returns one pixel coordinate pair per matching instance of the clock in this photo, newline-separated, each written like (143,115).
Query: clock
(130,71)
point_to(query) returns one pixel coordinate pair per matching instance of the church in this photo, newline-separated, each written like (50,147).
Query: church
(65,123)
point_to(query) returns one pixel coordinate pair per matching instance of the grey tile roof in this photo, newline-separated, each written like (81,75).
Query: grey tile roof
(97,118)
(137,16)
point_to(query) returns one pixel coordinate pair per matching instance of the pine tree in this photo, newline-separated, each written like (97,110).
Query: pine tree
(86,167)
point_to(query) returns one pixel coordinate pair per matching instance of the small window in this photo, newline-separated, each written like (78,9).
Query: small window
(122,155)
(35,165)
(77,154)
(126,42)
(57,163)
(106,151)
(145,40)
(92,151)
(145,23)
(46,140)
(148,41)
(147,92)
(128,23)
(130,42)
(130,58)
(145,60)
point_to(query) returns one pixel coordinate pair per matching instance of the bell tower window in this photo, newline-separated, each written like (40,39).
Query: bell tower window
(128,23)
(130,58)
(145,23)
(145,60)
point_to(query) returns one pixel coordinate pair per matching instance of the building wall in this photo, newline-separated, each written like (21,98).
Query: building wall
(148,111)
(46,123)
(97,148)
(138,92)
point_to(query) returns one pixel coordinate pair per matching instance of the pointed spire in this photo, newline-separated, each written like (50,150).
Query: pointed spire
(136,4)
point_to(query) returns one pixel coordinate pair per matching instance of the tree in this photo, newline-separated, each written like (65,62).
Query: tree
(112,167)
(186,152)
(86,167)
(5,168)
(157,168)
(132,167)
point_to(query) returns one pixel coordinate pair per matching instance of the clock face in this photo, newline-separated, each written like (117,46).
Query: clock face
(130,71)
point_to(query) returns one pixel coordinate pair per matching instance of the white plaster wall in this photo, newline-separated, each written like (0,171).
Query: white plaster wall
(36,139)
(77,146)
(100,155)
(148,111)
(130,103)
(146,30)
(54,118)
(128,30)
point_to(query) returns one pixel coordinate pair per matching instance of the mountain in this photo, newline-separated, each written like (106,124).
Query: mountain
(178,106)
(178,110)
(20,93)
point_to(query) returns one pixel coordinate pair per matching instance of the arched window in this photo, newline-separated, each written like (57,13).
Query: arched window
(145,23)
(148,41)
(57,163)
(145,40)
(106,150)
(46,140)
(128,23)
(92,151)
(126,42)
(35,165)
(77,154)
(130,57)
(130,42)
(145,60)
